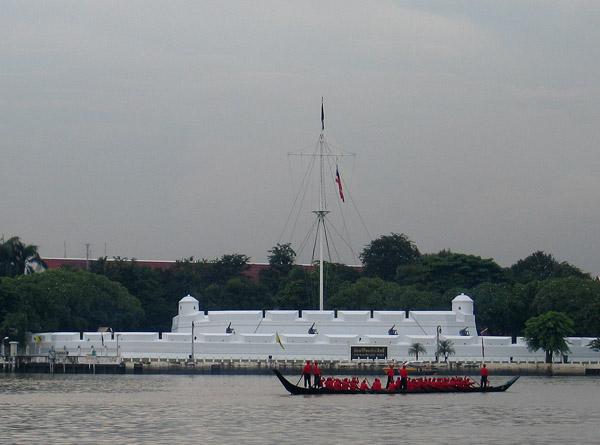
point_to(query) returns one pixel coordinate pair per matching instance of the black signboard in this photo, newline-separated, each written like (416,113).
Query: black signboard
(368,352)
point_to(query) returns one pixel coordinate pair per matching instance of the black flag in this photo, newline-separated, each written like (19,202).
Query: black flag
(322,117)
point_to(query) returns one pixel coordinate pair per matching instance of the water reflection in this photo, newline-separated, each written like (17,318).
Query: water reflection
(256,409)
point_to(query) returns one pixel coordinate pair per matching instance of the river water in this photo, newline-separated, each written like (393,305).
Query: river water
(86,409)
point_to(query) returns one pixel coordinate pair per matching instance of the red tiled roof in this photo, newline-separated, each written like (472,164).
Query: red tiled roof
(79,263)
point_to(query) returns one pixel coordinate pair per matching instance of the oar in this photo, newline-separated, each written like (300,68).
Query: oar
(474,381)
(478,384)
(467,376)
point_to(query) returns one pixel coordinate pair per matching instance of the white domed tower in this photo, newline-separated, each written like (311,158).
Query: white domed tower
(462,303)
(188,312)
(188,305)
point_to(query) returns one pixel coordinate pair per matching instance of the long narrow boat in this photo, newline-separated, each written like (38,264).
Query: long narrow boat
(298,390)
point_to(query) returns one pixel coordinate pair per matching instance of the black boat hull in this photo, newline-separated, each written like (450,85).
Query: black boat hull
(299,390)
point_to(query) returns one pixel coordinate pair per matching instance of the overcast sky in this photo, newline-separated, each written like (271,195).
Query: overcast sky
(160,130)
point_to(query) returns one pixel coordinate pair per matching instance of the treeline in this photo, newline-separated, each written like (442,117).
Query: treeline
(125,295)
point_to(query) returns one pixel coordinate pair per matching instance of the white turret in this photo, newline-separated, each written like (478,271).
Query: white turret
(463,304)
(188,305)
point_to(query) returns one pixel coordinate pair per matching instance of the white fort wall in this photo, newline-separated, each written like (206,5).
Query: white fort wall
(254,335)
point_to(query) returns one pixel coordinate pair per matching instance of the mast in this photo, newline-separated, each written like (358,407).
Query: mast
(323,152)
(321,212)
(322,207)
(321,229)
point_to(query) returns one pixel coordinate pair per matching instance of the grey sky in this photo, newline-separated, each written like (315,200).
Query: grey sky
(161,128)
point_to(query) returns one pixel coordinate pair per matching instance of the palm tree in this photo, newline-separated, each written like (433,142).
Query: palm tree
(548,332)
(445,348)
(594,344)
(416,349)
(17,258)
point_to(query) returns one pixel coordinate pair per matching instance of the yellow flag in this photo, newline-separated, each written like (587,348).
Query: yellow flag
(278,339)
(38,339)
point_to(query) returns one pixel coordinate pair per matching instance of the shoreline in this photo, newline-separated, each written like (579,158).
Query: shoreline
(111,365)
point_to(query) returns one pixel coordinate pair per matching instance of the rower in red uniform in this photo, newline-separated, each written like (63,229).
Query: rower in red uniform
(484,376)
(306,372)
(345,384)
(329,383)
(411,384)
(390,376)
(337,385)
(317,373)
(377,385)
(392,385)
(403,377)
(364,386)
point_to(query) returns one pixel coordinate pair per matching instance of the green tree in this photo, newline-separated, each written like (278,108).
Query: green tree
(281,261)
(548,332)
(365,294)
(282,257)
(186,276)
(413,298)
(594,344)
(446,270)
(16,258)
(336,276)
(579,298)
(502,308)
(416,349)
(383,255)
(229,266)
(59,300)
(543,266)
(297,290)
(446,349)
(217,284)
(146,285)
(240,293)
(15,326)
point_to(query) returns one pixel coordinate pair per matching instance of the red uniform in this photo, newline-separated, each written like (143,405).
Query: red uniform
(391,386)
(484,375)
(376,385)
(317,373)
(390,376)
(306,372)
(364,386)
(403,377)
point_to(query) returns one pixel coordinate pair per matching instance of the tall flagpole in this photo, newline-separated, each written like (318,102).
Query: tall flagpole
(322,151)
(322,210)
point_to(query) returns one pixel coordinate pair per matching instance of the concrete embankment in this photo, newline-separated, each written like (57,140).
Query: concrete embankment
(547,369)
(364,368)
(109,365)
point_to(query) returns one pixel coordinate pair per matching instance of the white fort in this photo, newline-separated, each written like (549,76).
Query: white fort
(306,334)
